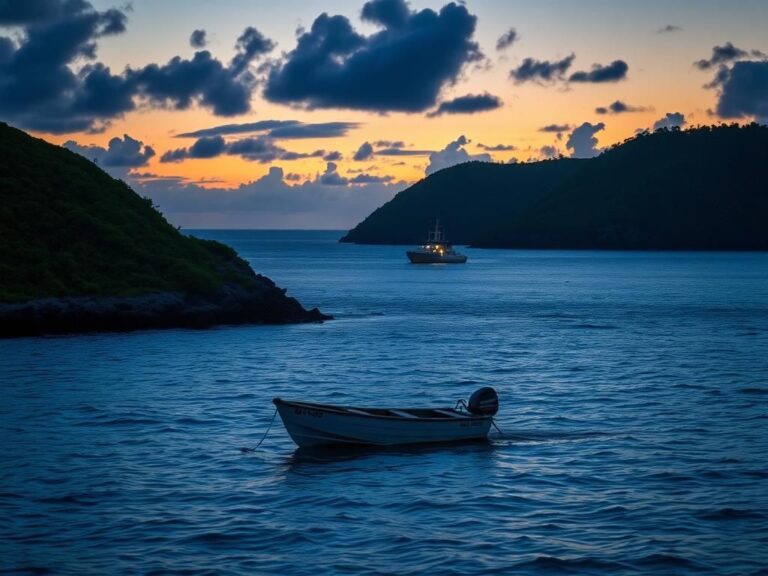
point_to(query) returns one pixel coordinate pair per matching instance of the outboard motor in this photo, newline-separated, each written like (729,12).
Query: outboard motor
(484,402)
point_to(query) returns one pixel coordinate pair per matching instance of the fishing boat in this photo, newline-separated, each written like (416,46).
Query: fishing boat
(436,251)
(310,424)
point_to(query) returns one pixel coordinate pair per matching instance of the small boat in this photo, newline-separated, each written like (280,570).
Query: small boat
(311,424)
(436,250)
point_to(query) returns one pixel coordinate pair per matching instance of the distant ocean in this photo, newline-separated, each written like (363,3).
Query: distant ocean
(634,406)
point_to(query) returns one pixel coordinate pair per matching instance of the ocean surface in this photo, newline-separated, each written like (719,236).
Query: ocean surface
(634,411)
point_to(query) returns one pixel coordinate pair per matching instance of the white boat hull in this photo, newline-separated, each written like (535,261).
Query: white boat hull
(319,425)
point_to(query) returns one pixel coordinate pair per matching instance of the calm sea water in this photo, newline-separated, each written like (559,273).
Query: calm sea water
(634,390)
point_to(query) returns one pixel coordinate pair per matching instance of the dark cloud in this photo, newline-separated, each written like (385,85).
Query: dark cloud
(454,153)
(548,151)
(288,155)
(228,129)
(23,12)
(321,130)
(555,128)
(364,152)
(402,67)
(198,39)
(179,83)
(469,104)
(743,91)
(668,29)
(582,140)
(619,107)
(120,156)
(613,72)
(125,152)
(256,149)
(331,176)
(38,90)
(724,54)
(389,143)
(403,152)
(498,147)
(278,129)
(670,120)
(41,91)
(206,147)
(333,156)
(507,39)
(250,45)
(541,70)
(370,179)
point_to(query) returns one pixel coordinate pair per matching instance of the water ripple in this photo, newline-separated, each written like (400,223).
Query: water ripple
(634,417)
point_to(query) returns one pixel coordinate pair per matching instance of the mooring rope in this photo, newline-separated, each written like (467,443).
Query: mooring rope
(245,450)
(493,421)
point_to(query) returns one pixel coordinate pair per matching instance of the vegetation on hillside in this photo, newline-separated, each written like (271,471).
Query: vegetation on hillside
(68,229)
(702,188)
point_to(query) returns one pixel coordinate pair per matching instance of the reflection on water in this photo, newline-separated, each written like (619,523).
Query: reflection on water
(634,411)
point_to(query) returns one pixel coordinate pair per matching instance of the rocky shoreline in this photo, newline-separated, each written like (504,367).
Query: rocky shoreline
(231,304)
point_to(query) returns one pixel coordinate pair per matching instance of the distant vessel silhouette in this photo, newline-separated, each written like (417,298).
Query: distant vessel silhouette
(436,251)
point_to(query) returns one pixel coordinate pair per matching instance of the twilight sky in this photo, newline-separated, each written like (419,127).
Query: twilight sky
(308,114)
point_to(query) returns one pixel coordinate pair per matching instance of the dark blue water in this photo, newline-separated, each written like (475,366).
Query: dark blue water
(634,391)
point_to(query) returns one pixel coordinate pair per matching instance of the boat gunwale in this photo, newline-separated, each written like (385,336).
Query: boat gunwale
(344,410)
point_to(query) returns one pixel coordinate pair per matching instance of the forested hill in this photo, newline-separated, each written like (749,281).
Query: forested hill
(80,250)
(698,189)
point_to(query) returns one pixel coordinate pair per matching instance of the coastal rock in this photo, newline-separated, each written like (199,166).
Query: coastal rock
(231,304)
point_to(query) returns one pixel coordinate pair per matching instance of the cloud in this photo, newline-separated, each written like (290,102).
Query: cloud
(319,130)
(619,107)
(582,140)
(397,151)
(255,149)
(370,179)
(557,129)
(670,120)
(197,39)
(40,90)
(498,147)
(331,176)
(613,72)
(402,67)
(23,12)
(281,129)
(118,157)
(548,151)
(541,70)
(725,54)
(333,156)
(743,91)
(273,201)
(454,153)
(507,39)
(179,83)
(669,28)
(469,104)
(364,152)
